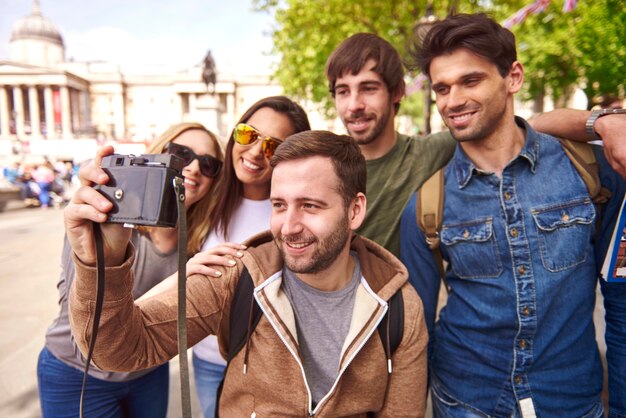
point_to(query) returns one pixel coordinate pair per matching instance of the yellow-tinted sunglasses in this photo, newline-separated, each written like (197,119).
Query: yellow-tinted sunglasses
(244,134)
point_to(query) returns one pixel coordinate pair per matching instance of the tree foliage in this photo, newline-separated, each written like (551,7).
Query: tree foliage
(307,31)
(600,39)
(585,47)
(558,50)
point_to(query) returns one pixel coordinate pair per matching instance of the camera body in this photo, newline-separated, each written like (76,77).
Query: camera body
(141,188)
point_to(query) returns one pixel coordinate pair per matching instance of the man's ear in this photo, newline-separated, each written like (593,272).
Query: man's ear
(356,211)
(397,96)
(516,77)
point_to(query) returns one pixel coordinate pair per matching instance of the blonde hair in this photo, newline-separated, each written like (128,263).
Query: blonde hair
(198,215)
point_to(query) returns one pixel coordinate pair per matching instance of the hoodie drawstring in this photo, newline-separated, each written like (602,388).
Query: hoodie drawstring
(387,342)
(245,358)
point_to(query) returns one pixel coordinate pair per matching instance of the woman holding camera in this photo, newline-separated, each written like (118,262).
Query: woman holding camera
(144,393)
(242,209)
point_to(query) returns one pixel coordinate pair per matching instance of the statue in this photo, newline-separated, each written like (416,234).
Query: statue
(209,74)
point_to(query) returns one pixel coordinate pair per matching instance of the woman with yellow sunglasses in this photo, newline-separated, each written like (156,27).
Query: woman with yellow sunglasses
(241,209)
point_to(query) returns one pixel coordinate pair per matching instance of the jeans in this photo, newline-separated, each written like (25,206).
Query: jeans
(60,385)
(44,194)
(208,377)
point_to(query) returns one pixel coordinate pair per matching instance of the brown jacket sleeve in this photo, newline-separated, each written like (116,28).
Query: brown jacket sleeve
(406,394)
(134,336)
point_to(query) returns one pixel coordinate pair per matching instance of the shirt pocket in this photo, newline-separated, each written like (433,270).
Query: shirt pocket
(564,233)
(472,249)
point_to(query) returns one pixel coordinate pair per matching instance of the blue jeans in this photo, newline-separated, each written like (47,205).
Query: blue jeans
(208,377)
(60,385)
(44,194)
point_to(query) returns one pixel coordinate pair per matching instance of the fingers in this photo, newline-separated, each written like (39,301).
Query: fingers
(91,173)
(617,160)
(611,128)
(202,269)
(87,204)
(226,248)
(222,255)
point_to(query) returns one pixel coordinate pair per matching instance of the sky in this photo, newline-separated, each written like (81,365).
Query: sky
(173,33)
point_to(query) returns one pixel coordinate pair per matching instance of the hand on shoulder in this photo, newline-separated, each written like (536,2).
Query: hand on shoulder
(205,262)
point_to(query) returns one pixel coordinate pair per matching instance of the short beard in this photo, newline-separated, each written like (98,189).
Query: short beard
(326,253)
(378,129)
(483,130)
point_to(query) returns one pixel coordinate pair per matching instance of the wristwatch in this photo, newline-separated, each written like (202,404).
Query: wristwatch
(595,114)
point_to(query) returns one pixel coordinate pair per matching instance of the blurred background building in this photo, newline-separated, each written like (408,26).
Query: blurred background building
(62,109)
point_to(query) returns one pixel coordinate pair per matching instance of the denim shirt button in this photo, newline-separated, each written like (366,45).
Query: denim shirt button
(521,270)
(507,196)
(514,232)
(522,344)
(525,311)
(565,217)
(517,379)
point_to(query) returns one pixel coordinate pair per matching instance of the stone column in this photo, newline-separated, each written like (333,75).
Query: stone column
(49,109)
(35,119)
(5,115)
(119,119)
(178,107)
(231,115)
(66,127)
(193,109)
(85,108)
(18,108)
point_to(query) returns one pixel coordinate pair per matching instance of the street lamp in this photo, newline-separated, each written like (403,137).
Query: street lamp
(420,31)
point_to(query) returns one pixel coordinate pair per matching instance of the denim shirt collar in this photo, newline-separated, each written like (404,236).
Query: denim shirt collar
(465,169)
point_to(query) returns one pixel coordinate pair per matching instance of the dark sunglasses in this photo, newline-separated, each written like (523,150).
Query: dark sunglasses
(209,166)
(247,135)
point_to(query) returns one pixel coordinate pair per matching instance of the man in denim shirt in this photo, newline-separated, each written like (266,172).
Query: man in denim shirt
(516,338)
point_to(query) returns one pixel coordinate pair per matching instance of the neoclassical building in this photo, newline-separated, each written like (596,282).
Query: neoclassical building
(47,103)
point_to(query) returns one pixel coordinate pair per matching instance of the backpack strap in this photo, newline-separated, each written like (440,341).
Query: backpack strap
(429,208)
(391,327)
(429,202)
(245,315)
(243,311)
(583,158)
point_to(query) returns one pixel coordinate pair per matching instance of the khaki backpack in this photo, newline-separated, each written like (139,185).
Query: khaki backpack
(430,197)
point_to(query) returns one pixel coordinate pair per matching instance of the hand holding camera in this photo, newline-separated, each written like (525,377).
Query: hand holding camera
(137,190)
(89,205)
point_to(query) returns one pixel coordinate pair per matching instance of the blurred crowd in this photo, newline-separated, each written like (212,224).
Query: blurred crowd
(43,185)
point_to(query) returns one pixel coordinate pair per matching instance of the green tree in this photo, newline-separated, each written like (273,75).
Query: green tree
(559,50)
(600,39)
(585,47)
(307,31)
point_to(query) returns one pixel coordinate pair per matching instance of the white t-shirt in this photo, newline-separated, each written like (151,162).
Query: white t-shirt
(250,218)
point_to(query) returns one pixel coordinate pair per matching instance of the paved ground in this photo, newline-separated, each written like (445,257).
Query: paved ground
(30,250)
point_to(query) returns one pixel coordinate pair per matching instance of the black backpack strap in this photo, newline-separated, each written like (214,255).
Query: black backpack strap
(244,311)
(391,327)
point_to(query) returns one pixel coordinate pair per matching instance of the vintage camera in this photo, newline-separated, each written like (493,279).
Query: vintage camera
(141,188)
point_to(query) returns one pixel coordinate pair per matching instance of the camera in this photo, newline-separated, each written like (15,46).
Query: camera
(141,188)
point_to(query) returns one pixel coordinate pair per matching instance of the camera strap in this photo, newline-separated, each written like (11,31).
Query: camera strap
(185,396)
(97,232)
(179,189)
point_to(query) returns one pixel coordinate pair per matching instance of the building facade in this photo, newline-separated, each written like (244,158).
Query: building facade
(56,108)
